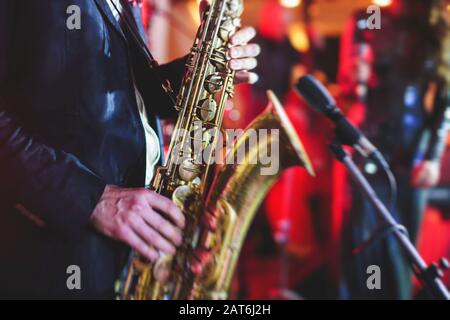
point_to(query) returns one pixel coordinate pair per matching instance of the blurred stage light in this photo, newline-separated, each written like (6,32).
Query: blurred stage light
(298,36)
(371,168)
(382,3)
(290,3)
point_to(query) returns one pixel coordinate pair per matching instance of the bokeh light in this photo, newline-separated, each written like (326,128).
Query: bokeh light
(382,3)
(290,3)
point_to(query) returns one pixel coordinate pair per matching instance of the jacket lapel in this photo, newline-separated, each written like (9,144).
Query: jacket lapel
(106,11)
(108,14)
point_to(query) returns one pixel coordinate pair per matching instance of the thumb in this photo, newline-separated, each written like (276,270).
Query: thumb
(203,7)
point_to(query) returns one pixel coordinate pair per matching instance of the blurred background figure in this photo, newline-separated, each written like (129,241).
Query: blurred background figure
(398,78)
(278,57)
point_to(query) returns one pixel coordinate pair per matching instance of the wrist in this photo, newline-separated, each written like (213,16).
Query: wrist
(108,189)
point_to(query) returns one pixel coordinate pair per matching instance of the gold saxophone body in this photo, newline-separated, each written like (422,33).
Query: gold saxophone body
(238,189)
(231,193)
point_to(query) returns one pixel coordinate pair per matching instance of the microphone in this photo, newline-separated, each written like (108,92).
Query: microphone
(318,97)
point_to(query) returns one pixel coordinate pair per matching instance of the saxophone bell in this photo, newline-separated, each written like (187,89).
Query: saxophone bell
(239,189)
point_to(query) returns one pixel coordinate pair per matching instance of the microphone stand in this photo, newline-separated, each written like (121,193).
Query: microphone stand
(429,276)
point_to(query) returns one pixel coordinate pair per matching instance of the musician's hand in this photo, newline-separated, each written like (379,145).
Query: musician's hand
(132,216)
(426,174)
(202,255)
(243,54)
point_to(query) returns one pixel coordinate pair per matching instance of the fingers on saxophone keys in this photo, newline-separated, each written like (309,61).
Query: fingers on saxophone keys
(162,274)
(167,207)
(195,266)
(245,51)
(127,235)
(246,77)
(243,64)
(243,36)
(199,260)
(151,236)
(162,226)
(210,221)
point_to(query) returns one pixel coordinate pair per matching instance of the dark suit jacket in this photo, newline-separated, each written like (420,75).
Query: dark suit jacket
(69,125)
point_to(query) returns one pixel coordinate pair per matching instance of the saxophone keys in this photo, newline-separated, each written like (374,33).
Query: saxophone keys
(219,42)
(235,8)
(181,195)
(188,170)
(213,83)
(233,5)
(226,30)
(219,59)
(208,109)
(224,35)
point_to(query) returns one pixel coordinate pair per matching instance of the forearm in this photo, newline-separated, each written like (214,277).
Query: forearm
(49,183)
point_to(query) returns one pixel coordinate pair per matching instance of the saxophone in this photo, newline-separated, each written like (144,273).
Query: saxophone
(230,193)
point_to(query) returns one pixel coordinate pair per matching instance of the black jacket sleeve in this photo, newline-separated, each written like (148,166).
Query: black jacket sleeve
(173,72)
(51,184)
(439,124)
